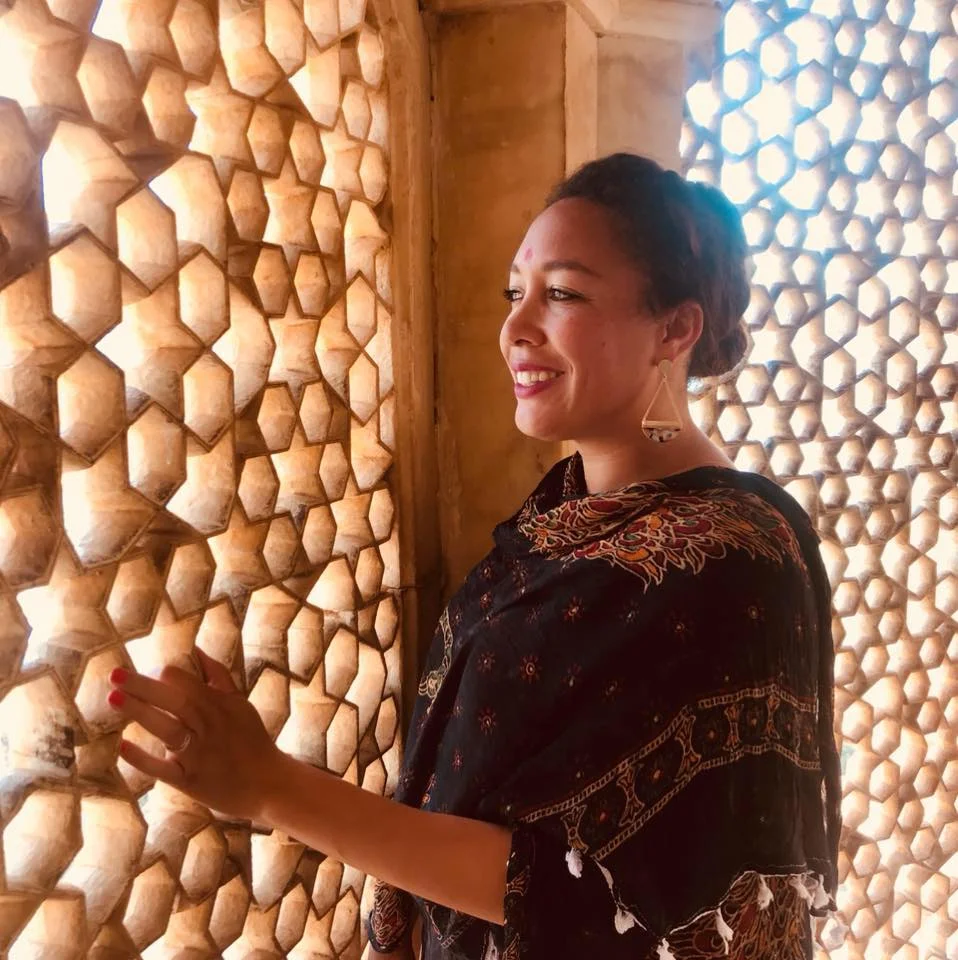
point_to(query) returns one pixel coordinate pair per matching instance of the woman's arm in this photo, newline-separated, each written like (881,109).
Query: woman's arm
(453,861)
(220,754)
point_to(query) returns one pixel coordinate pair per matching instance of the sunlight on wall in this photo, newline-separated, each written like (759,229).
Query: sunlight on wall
(196,428)
(833,125)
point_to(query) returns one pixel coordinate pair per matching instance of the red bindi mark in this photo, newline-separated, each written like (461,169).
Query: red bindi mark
(527,256)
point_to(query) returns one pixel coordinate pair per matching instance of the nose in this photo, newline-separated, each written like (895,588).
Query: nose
(524,325)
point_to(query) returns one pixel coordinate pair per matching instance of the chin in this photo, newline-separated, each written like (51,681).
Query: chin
(545,429)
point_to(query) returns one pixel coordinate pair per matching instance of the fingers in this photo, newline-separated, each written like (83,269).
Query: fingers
(217,676)
(163,726)
(172,705)
(174,694)
(180,678)
(167,770)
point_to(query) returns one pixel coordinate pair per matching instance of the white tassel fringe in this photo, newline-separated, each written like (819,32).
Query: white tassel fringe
(610,883)
(624,920)
(724,930)
(765,897)
(810,888)
(799,884)
(820,900)
(665,951)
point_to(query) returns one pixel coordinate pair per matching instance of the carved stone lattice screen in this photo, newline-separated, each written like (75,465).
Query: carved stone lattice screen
(196,423)
(833,124)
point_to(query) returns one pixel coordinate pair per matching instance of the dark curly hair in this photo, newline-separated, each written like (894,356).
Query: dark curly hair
(688,241)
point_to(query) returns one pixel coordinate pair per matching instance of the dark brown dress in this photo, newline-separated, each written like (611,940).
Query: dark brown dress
(639,684)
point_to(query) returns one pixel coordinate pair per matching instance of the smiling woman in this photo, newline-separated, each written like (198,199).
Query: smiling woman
(631,281)
(627,710)
(636,681)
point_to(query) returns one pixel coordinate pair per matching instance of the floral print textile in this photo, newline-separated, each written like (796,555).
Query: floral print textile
(639,685)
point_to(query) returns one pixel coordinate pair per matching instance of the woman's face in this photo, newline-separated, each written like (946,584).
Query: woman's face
(581,349)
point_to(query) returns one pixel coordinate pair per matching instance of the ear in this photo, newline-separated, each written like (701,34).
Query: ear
(683,328)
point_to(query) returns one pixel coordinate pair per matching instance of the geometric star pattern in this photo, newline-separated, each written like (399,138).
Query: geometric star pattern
(180,435)
(833,126)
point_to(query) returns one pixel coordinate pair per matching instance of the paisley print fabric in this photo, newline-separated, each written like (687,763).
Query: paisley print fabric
(682,532)
(639,685)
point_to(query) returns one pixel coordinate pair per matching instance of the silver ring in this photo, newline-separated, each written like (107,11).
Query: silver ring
(187,739)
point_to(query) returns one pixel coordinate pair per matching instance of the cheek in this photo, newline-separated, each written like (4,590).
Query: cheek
(607,364)
(598,355)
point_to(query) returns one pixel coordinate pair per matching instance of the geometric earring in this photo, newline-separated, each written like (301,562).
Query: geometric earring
(668,425)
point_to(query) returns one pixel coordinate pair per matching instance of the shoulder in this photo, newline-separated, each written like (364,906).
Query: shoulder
(659,529)
(714,523)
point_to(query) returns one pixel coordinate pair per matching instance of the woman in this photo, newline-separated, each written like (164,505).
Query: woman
(623,741)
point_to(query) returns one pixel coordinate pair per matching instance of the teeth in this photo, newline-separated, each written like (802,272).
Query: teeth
(526,378)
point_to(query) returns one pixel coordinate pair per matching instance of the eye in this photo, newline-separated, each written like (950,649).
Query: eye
(562,296)
(512,294)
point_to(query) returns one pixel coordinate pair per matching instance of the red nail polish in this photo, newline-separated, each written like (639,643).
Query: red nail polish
(118,676)
(116,698)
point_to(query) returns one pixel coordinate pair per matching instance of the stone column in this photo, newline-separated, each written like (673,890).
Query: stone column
(416,480)
(499,146)
(648,53)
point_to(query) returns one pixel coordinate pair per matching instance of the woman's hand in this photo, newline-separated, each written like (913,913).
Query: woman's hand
(219,753)
(218,750)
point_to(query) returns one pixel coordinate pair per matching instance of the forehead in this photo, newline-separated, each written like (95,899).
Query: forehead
(572,229)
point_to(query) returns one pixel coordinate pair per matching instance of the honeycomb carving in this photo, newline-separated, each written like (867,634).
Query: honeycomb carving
(195,433)
(834,127)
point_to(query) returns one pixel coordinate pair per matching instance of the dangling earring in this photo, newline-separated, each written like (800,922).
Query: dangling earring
(663,430)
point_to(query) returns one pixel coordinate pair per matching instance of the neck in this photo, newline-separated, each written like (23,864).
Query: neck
(609,464)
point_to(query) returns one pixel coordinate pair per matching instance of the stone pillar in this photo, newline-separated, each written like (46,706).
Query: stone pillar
(649,52)
(416,480)
(499,146)
(581,91)
(522,94)
(639,81)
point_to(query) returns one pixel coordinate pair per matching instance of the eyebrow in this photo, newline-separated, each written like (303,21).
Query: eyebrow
(553,265)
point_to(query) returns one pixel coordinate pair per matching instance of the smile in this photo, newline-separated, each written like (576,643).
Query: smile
(528,377)
(530,382)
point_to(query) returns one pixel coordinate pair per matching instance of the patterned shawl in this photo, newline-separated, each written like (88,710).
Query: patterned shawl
(639,684)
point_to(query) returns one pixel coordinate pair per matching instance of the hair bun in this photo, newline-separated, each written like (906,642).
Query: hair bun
(688,240)
(730,350)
